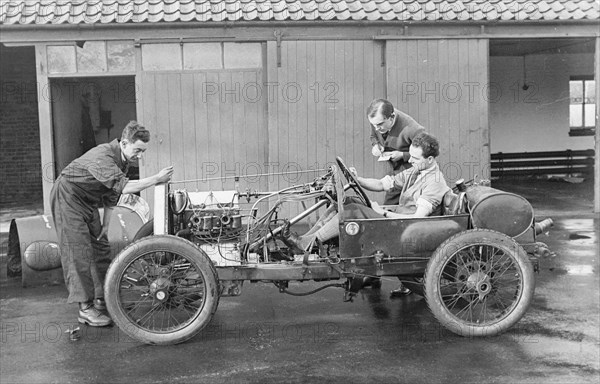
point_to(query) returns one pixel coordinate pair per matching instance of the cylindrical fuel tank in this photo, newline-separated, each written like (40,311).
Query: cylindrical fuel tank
(42,255)
(500,211)
(37,239)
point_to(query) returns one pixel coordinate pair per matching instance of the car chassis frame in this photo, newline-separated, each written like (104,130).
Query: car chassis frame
(478,281)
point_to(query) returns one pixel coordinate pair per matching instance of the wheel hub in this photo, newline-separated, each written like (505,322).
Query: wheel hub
(159,288)
(480,282)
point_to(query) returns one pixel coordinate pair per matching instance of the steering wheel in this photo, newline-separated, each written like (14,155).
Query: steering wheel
(353,182)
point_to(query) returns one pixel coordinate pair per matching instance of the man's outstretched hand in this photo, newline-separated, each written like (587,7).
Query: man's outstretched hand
(164,174)
(394,155)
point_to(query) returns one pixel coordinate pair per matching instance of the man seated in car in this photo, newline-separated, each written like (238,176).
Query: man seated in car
(422,190)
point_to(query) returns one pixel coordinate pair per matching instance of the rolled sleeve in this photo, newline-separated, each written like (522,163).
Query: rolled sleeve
(400,178)
(112,198)
(388,182)
(421,202)
(434,193)
(120,184)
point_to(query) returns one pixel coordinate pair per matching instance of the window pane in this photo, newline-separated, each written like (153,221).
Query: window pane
(61,59)
(91,57)
(121,56)
(590,115)
(575,118)
(202,56)
(576,91)
(243,55)
(590,92)
(157,57)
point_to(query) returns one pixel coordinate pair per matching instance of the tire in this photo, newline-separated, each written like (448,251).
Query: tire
(145,230)
(479,283)
(161,290)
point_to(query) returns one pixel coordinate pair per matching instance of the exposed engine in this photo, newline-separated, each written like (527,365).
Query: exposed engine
(231,235)
(212,220)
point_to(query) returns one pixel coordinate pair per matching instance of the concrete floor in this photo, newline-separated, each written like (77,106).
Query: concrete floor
(265,336)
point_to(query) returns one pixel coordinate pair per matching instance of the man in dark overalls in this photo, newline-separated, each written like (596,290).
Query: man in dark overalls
(392,132)
(96,179)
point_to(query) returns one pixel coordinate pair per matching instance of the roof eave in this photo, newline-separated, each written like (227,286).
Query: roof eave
(292,23)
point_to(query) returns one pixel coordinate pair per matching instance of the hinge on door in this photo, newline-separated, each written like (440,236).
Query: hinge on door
(278,37)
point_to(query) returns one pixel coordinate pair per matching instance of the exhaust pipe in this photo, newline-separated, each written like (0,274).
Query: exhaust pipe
(543,226)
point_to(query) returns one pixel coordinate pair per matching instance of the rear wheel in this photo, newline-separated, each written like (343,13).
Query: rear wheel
(161,290)
(479,283)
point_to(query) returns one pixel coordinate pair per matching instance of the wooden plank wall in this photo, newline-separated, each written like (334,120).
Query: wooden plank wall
(202,124)
(318,112)
(312,109)
(443,84)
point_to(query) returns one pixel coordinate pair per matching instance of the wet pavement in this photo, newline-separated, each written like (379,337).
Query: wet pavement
(266,336)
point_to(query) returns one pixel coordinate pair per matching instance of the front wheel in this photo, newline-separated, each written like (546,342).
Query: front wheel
(161,290)
(479,283)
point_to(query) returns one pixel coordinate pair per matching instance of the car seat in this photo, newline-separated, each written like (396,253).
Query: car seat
(451,203)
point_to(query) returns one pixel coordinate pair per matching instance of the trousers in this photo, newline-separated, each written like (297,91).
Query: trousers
(84,257)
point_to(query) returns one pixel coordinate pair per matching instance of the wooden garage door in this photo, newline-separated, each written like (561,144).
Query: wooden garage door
(320,93)
(207,124)
(444,85)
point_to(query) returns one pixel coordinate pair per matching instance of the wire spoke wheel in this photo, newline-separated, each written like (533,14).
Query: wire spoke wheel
(161,290)
(479,283)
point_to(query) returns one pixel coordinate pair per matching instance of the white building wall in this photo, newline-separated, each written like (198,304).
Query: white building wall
(536,119)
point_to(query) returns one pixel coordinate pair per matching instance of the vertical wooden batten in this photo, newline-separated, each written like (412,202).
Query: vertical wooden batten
(597,154)
(273,60)
(484,113)
(139,100)
(45,124)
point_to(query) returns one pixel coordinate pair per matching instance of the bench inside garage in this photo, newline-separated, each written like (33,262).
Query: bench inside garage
(521,164)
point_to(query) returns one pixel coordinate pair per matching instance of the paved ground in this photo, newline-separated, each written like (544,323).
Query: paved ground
(265,336)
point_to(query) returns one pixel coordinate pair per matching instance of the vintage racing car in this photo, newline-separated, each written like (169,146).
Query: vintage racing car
(475,264)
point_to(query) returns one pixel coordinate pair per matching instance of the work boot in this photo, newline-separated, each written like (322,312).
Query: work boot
(89,315)
(400,291)
(100,304)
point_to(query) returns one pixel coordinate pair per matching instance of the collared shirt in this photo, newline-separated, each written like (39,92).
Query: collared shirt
(98,176)
(425,188)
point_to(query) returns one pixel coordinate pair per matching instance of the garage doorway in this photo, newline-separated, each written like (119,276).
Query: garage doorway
(542,106)
(87,111)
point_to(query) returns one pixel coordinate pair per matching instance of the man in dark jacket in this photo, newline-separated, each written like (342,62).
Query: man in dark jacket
(96,179)
(392,132)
